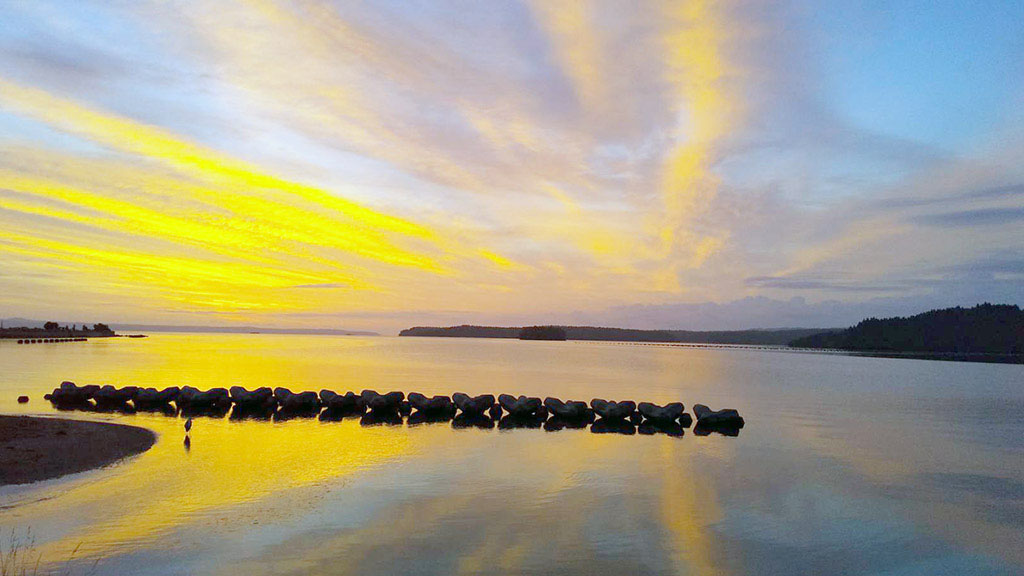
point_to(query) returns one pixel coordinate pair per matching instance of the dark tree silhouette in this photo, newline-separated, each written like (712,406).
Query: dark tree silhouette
(49,326)
(542,333)
(986,328)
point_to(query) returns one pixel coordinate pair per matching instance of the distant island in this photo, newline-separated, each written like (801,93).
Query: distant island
(54,330)
(542,333)
(205,329)
(986,329)
(780,337)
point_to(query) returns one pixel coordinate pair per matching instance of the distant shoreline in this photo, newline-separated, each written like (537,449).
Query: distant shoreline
(34,449)
(769,337)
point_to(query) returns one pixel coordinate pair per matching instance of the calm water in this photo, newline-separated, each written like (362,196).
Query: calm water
(846,466)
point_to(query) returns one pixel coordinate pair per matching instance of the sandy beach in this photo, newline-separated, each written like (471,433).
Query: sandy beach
(33,449)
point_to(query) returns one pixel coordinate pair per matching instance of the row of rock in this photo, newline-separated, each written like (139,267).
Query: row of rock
(49,340)
(265,400)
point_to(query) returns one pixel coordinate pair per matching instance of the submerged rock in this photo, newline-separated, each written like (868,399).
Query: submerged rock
(473,406)
(661,414)
(610,410)
(725,417)
(521,406)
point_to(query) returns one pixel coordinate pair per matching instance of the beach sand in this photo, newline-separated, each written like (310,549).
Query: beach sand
(33,449)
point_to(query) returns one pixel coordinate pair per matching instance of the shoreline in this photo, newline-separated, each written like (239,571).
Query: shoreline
(34,448)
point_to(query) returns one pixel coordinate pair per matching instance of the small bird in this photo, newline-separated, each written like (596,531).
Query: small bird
(188,425)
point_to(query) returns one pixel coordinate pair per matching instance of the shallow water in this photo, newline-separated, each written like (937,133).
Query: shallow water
(847,465)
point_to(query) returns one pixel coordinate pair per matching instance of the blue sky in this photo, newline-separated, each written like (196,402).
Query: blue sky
(659,164)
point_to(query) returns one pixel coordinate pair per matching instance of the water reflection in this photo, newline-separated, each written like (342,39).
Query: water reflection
(838,471)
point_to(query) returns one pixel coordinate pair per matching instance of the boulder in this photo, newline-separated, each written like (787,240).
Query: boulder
(436,404)
(349,403)
(495,412)
(217,399)
(475,406)
(521,406)
(685,420)
(301,402)
(69,393)
(610,410)
(405,408)
(110,396)
(569,410)
(151,397)
(262,397)
(22,399)
(660,414)
(727,417)
(383,403)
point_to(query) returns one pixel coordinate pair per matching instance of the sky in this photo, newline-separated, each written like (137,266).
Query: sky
(379,164)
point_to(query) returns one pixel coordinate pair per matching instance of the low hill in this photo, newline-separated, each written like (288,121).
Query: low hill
(984,329)
(779,337)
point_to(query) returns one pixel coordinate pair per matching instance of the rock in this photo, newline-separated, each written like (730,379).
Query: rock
(262,397)
(381,403)
(22,399)
(635,418)
(661,414)
(569,410)
(521,406)
(110,396)
(70,394)
(217,399)
(473,406)
(685,420)
(292,402)
(405,408)
(153,398)
(613,410)
(495,412)
(726,417)
(436,404)
(349,403)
